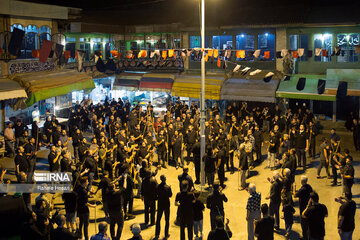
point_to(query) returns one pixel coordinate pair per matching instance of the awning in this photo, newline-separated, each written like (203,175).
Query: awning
(127,81)
(190,86)
(249,90)
(157,82)
(351,76)
(10,89)
(44,85)
(287,89)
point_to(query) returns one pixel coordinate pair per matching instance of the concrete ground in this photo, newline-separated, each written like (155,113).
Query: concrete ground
(235,207)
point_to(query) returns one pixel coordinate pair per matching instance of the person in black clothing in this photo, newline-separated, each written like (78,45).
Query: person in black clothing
(70,202)
(90,163)
(264,228)
(259,142)
(356,134)
(30,152)
(161,149)
(315,213)
(115,203)
(219,233)
(184,200)
(304,195)
(21,163)
(54,159)
(302,146)
(209,167)
(220,165)
(215,203)
(187,177)
(164,193)
(20,128)
(148,195)
(348,176)
(335,165)
(198,216)
(313,132)
(76,141)
(275,197)
(61,232)
(83,206)
(127,183)
(104,185)
(346,217)
(177,146)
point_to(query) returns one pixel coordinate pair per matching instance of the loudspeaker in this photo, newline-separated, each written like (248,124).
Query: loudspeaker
(287,78)
(342,89)
(321,86)
(15,41)
(301,84)
(267,79)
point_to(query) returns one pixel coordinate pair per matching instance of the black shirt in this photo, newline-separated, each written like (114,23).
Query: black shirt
(301,138)
(22,162)
(347,210)
(164,193)
(215,201)
(304,195)
(198,210)
(264,228)
(70,201)
(53,166)
(316,215)
(115,200)
(104,186)
(186,210)
(82,200)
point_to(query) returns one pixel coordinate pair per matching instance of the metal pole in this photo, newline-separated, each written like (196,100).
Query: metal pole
(202,103)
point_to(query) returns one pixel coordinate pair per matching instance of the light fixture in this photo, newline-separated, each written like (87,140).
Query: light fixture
(348,37)
(266,34)
(242,35)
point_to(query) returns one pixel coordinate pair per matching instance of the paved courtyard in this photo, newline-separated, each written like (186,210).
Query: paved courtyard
(235,207)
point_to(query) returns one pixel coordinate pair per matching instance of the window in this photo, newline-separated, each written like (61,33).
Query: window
(299,41)
(31,28)
(195,42)
(222,42)
(266,42)
(44,32)
(19,26)
(323,41)
(70,39)
(245,42)
(85,47)
(44,29)
(347,42)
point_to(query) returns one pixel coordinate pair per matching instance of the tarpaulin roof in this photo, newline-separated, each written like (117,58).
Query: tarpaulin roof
(157,82)
(10,89)
(249,90)
(127,81)
(43,85)
(351,76)
(190,86)
(287,89)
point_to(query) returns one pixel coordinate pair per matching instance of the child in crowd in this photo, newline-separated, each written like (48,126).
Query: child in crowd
(198,216)
(288,216)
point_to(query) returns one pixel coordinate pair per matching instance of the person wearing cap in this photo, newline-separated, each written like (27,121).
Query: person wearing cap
(215,203)
(101,235)
(164,193)
(136,230)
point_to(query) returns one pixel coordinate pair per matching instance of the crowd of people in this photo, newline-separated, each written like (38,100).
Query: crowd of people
(124,143)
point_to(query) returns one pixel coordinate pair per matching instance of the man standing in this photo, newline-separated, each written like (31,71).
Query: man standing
(264,228)
(184,200)
(215,203)
(346,217)
(148,193)
(253,210)
(348,175)
(20,128)
(324,158)
(115,203)
(30,152)
(21,163)
(164,193)
(275,197)
(9,140)
(315,213)
(302,146)
(54,159)
(304,195)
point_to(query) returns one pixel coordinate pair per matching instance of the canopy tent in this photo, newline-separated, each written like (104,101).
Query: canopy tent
(287,89)
(43,85)
(157,82)
(10,89)
(249,90)
(351,76)
(127,81)
(190,86)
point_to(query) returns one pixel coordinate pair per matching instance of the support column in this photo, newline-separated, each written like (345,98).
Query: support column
(281,40)
(312,106)
(2,115)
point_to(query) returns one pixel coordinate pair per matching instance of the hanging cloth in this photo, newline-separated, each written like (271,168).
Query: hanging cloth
(211,52)
(171,53)
(164,54)
(300,52)
(295,54)
(219,62)
(317,51)
(267,54)
(257,53)
(324,53)
(216,53)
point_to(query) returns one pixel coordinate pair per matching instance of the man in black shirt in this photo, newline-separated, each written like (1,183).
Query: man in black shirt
(315,213)
(20,128)
(61,232)
(215,203)
(187,177)
(21,164)
(54,159)
(275,197)
(148,194)
(70,202)
(104,185)
(83,206)
(346,217)
(30,152)
(264,228)
(304,195)
(90,163)
(115,203)
(196,154)
(302,146)
(184,200)
(164,193)
(220,233)
(348,175)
